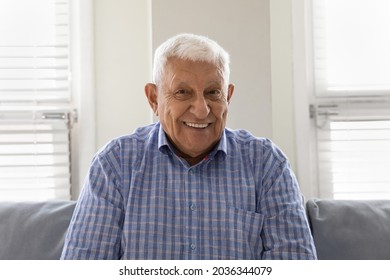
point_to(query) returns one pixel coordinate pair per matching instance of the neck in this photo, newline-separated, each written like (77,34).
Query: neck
(191,160)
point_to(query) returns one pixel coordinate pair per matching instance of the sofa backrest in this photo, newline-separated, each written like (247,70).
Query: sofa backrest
(350,229)
(33,230)
(342,229)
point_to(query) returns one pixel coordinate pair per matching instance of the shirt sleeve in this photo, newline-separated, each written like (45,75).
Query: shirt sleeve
(95,229)
(286,233)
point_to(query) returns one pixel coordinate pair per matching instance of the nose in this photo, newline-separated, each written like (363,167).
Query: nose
(200,107)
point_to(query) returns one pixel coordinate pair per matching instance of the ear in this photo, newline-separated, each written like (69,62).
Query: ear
(230,92)
(151,95)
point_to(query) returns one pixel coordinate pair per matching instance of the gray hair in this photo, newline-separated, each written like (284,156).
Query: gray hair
(190,47)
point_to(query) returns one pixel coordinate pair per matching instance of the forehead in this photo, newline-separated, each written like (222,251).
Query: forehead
(178,69)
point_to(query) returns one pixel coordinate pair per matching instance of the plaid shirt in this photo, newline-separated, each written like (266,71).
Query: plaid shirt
(141,201)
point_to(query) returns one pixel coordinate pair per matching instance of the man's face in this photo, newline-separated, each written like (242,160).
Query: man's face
(192,104)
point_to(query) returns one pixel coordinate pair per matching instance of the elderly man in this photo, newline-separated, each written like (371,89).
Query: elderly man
(187,187)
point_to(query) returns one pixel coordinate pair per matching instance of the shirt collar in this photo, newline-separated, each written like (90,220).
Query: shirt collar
(165,146)
(163,143)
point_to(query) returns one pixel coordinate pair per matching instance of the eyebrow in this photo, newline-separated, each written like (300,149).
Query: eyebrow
(217,83)
(209,84)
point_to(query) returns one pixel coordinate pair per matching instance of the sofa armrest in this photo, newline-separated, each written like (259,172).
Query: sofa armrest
(350,229)
(33,230)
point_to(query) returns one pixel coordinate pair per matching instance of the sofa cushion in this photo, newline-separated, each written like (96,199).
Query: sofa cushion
(33,230)
(350,229)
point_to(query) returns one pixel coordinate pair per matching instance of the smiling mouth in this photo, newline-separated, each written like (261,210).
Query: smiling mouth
(197,125)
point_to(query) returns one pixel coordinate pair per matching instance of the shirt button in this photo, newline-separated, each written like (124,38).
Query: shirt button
(193,246)
(193,207)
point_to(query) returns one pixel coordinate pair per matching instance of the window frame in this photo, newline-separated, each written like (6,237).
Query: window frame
(83,92)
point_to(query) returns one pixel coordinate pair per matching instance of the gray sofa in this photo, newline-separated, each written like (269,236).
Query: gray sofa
(350,229)
(33,230)
(341,229)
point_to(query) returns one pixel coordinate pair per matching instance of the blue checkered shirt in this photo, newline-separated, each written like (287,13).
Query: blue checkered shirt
(141,201)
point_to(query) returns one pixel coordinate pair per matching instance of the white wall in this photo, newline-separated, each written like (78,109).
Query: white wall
(122,66)
(303,88)
(282,77)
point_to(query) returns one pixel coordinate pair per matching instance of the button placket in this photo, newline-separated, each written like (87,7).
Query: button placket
(192,208)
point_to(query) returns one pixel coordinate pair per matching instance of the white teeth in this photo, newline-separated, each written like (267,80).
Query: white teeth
(197,125)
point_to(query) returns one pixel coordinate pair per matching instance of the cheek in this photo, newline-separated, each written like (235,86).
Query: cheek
(172,110)
(220,111)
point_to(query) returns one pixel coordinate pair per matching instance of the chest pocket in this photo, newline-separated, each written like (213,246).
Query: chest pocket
(234,233)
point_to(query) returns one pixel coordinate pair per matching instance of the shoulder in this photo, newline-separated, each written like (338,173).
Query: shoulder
(258,147)
(130,143)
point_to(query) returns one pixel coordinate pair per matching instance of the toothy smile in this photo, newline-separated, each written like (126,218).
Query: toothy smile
(197,125)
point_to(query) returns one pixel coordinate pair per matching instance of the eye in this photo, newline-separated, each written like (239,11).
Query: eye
(182,93)
(214,93)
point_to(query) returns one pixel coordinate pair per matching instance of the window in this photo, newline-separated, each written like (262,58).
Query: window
(351,46)
(36,113)
(351,100)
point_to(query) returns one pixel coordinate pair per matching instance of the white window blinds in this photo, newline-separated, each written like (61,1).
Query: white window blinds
(34,100)
(351,101)
(353,151)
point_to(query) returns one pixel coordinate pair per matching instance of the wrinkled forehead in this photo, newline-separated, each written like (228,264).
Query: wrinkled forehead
(187,69)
